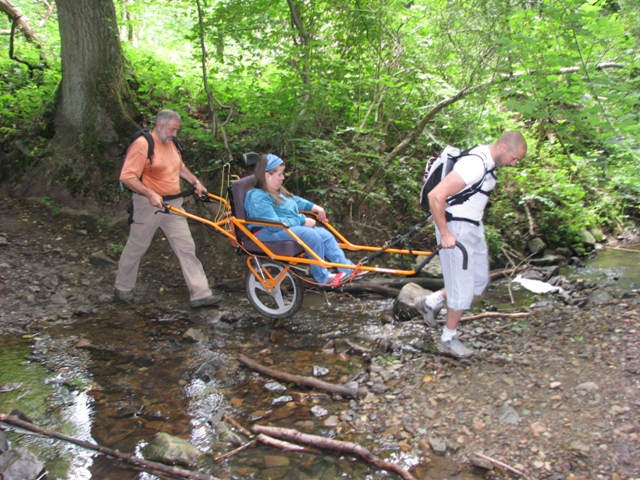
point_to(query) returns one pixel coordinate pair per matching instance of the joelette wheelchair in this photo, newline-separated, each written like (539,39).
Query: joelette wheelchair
(276,270)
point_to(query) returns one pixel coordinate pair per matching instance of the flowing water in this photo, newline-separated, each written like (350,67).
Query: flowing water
(120,377)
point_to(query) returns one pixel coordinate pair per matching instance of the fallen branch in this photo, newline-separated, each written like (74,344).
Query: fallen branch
(494,315)
(145,465)
(219,458)
(336,445)
(368,287)
(274,442)
(503,465)
(344,390)
(231,421)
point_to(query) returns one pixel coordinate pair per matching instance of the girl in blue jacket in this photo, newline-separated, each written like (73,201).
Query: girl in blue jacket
(269,200)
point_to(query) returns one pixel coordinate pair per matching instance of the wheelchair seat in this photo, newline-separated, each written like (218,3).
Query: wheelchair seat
(239,189)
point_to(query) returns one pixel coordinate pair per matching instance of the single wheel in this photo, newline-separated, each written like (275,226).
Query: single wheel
(282,295)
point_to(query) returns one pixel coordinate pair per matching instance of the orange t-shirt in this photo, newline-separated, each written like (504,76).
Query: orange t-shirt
(163,174)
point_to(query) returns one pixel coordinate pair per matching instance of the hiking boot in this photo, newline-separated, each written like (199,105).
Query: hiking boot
(210,301)
(335,279)
(429,314)
(126,297)
(455,348)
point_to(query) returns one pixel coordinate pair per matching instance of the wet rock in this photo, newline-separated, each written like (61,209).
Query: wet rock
(320,371)
(318,411)
(600,297)
(331,421)
(275,461)
(168,449)
(275,387)
(576,262)
(536,245)
(481,463)
(101,259)
(404,307)
(4,443)
(226,434)
(20,464)
(208,371)
(438,445)
(598,234)
(508,415)
(195,335)
(587,238)
(3,241)
(283,399)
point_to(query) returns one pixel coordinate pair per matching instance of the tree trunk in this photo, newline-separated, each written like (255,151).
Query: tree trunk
(95,108)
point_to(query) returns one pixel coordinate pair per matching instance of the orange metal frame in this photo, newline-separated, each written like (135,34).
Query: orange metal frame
(227,225)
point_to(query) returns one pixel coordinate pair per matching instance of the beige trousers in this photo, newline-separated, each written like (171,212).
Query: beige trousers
(146,221)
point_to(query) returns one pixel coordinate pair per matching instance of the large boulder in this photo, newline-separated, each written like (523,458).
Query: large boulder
(404,307)
(20,464)
(171,450)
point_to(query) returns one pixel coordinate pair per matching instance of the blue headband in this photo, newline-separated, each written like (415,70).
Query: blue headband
(272,162)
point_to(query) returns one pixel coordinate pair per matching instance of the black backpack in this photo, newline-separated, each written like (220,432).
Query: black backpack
(439,167)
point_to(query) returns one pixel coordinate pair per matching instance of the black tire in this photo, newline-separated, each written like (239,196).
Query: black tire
(283,301)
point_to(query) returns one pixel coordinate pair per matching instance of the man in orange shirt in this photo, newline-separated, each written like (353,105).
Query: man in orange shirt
(150,179)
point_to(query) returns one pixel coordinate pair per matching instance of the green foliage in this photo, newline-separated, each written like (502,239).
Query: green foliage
(333,88)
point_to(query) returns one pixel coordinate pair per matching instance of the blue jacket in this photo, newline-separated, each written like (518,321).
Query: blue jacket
(260,204)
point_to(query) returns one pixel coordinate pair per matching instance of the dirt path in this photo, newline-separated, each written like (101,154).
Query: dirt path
(554,396)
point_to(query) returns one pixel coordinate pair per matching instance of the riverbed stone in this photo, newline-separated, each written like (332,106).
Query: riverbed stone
(101,259)
(438,445)
(275,387)
(20,464)
(481,462)
(536,245)
(195,335)
(4,443)
(508,415)
(319,411)
(404,306)
(168,449)
(320,371)
(600,297)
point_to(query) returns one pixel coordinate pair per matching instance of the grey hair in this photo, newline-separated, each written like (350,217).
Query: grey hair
(165,116)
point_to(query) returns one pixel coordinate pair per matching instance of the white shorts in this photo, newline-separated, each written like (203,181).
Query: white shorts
(461,285)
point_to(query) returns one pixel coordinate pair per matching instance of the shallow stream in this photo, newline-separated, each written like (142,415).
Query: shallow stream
(119,377)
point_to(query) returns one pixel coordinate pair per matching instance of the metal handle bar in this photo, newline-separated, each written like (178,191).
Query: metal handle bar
(465,257)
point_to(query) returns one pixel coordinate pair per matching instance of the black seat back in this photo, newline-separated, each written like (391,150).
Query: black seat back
(239,189)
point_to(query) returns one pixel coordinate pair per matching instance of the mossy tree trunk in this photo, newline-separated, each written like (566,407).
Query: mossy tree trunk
(95,110)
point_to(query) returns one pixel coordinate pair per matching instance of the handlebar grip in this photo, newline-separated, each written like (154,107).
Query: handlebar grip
(465,255)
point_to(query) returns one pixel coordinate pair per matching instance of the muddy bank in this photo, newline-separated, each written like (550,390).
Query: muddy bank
(552,395)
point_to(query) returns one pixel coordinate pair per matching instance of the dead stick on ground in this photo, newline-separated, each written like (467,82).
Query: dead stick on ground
(336,445)
(494,315)
(503,465)
(219,458)
(236,425)
(299,379)
(145,465)
(274,442)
